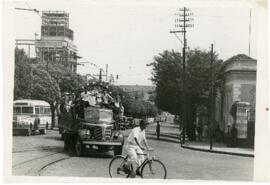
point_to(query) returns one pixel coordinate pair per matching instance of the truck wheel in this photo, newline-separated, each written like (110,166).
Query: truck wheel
(117,150)
(62,137)
(79,148)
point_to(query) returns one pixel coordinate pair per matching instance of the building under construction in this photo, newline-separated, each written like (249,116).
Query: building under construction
(56,41)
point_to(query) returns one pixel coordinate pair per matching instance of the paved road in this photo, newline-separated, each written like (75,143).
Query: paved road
(44,155)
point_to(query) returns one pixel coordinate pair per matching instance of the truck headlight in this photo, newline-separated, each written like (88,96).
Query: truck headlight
(87,132)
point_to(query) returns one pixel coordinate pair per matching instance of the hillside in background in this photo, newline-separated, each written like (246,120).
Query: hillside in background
(139,91)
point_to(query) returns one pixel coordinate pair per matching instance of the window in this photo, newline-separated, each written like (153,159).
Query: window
(27,110)
(41,110)
(36,110)
(16,110)
(47,110)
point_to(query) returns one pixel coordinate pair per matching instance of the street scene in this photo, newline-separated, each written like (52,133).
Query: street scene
(34,157)
(129,90)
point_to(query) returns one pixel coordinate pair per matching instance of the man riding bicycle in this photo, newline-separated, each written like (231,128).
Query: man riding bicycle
(134,147)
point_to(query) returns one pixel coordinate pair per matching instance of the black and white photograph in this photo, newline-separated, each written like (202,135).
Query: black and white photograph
(136,91)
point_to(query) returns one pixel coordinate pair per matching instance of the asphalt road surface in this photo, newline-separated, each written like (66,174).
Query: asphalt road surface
(43,155)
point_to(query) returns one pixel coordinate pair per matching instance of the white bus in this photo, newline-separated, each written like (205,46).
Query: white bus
(31,116)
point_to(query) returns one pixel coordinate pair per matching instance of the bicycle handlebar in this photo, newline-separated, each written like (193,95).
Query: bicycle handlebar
(149,150)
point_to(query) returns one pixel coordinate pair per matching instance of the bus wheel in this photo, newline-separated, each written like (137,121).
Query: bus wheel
(28,132)
(43,131)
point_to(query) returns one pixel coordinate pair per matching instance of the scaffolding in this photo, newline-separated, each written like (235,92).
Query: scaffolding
(56,42)
(56,23)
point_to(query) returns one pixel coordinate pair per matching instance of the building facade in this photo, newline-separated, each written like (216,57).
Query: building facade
(56,42)
(239,86)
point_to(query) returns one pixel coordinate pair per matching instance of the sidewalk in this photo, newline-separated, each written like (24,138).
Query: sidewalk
(218,148)
(170,133)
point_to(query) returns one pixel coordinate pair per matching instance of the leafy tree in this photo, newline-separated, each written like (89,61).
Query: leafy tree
(133,105)
(21,74)
(68,80)
(167,74)
(31,82)
(44,87)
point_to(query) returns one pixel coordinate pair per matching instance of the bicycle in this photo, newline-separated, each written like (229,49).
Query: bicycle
(150,167)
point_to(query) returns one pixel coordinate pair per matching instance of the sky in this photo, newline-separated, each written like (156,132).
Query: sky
(126,35)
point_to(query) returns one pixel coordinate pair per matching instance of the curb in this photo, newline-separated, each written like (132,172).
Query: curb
(164,135)
(164,139)
(216,151)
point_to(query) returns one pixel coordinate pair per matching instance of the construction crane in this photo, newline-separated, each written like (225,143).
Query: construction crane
(29,9)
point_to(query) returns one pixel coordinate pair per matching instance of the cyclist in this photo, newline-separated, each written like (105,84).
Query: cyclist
(134,147)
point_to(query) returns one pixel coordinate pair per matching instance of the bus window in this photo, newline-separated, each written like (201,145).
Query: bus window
(17,110)
(47,110)
(41,110)
(27,110)
(36,110)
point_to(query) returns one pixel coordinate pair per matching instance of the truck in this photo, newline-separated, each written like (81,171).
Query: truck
(85,125)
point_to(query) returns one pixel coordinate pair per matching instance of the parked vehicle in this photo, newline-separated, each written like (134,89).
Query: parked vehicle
(84,126)
(31,116)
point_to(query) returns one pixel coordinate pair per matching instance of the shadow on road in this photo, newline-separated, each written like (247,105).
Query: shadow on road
(53,138)
(91,154)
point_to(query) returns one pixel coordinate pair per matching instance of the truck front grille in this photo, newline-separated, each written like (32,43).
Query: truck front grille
(98,133)
(108,133)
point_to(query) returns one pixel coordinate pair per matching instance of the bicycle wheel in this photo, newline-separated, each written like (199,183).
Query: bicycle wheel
(115,167)
(154,169)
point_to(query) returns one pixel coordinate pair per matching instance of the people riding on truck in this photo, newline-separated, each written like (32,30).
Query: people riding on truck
(89,118)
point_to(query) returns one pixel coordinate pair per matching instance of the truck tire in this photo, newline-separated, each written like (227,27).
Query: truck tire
(79,147)
(62,137)
(117,150)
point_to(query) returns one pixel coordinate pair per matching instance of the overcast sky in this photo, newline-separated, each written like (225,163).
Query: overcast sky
(127,35)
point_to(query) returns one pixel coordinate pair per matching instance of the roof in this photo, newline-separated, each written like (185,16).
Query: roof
(32,102)
(242,63)
(239,57)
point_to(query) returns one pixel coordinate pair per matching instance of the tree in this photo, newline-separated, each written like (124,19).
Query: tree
(68,80)
(21,74)
(44,87)
(31,82)
(167,74)
(133,105)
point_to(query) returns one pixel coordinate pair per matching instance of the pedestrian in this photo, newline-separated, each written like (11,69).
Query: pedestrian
(234,135)
(199,131)
(228,138)
(158,130)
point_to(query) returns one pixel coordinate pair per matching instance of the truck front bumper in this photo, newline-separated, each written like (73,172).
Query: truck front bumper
(110,143)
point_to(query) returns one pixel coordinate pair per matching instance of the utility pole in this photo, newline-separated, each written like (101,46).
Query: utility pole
(181,22)
(249,33)
(106,72)
(212,99)
(100,75)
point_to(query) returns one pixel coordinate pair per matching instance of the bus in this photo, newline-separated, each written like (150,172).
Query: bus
(31,116)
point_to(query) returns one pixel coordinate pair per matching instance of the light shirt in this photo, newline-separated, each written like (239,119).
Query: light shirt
(85,96)
(136,133)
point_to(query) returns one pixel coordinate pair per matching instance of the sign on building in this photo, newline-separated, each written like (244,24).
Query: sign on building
(242,116)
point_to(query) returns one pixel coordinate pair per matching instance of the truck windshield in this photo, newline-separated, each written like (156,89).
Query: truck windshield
(28,110)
